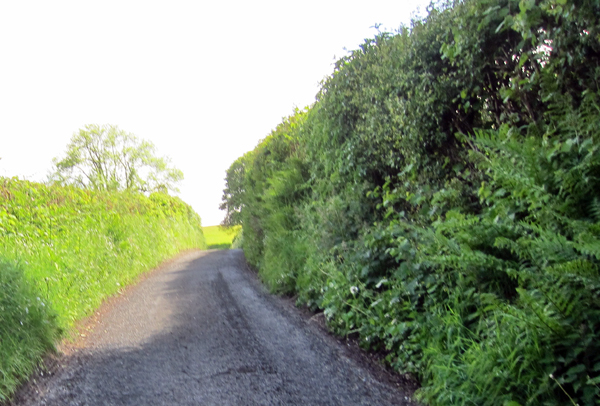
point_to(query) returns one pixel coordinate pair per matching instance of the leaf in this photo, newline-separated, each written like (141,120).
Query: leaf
(499,28)
(526,5)
(576,369)
(523,58)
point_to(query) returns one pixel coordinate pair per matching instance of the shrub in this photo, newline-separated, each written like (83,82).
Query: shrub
(447,213)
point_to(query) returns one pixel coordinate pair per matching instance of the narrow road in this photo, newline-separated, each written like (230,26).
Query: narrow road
(203,331)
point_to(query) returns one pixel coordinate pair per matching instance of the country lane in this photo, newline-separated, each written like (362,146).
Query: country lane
(202,330)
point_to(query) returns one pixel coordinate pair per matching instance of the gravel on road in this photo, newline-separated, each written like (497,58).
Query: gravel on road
(204,331)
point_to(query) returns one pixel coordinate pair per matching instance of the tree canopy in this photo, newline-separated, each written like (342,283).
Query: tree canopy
(232,200)
(104,157)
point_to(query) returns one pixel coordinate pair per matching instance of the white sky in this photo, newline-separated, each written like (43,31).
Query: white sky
(203,81)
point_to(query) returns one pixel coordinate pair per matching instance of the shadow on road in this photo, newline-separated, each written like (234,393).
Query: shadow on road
(204,332)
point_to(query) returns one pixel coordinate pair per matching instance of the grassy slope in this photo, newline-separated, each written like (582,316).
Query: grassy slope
(63,250)
(218,237)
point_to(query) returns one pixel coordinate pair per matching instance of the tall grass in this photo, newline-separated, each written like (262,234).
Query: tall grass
(63,250)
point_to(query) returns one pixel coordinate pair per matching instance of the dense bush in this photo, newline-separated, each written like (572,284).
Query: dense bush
(441,201)
(264,187)
(64,249)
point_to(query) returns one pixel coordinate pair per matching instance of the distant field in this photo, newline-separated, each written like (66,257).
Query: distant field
(218,237)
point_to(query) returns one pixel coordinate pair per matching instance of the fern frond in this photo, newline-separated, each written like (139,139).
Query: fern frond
(578,268)
(588,244)
(594,209)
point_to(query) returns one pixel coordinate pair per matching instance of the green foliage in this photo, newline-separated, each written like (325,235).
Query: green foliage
(238,240)
(233,194)
(440,202)
(262,189)
(65,249)
(27,327)
(107,158)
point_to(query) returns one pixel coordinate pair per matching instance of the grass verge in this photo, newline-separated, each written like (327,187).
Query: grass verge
(63,250)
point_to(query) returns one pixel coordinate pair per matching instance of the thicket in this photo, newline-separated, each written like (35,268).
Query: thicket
(441,201)
(65,249)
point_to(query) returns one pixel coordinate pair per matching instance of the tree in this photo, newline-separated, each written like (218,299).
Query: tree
(108,158)
(233,194)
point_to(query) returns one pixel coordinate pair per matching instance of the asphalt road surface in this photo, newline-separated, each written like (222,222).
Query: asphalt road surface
(203,331)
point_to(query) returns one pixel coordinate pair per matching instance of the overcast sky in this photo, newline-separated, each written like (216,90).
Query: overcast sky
(203,81)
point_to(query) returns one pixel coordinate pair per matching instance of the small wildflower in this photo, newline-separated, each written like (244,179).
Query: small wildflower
(354,290)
